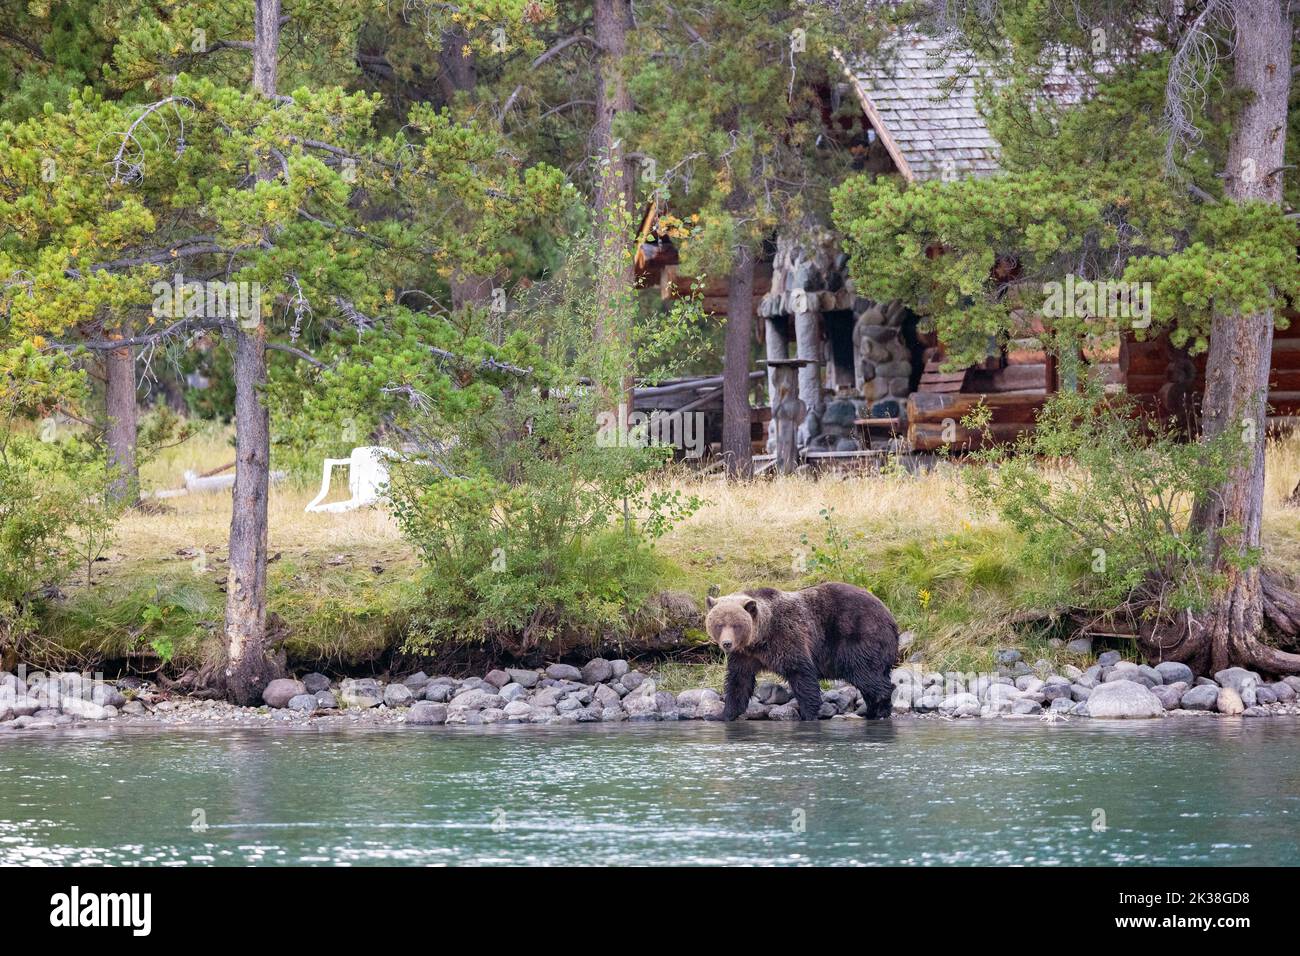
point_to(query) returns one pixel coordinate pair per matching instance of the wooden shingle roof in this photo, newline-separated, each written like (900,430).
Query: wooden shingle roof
(929,124)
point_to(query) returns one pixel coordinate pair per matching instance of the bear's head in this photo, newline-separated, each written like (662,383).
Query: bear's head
(732,621)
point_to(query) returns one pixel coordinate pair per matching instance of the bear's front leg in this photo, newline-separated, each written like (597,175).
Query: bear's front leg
(739,685)
(807,691)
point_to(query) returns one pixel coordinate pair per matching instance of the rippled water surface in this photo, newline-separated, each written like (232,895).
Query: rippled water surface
(906,792)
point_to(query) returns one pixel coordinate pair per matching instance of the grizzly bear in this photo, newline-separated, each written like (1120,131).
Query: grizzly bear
(829,630)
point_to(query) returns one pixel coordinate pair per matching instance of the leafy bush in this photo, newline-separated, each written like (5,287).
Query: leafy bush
(539,533)
(49,525)
(1119,502)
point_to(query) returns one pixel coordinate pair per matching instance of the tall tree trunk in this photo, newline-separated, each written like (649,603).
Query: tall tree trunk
(615,190)
(120,436)
(736,450)
(248,669)
(1236,388)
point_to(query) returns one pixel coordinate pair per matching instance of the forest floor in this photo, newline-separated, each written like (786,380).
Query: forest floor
(345,585)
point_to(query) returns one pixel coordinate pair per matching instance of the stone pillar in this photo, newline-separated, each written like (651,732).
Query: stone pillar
(778,349)
(808,345)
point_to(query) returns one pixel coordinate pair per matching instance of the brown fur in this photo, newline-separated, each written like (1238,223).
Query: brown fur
(829,630)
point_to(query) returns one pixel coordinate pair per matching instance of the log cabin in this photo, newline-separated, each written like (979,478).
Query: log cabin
(873,380)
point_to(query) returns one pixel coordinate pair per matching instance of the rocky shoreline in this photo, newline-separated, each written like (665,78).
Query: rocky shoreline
(611,691)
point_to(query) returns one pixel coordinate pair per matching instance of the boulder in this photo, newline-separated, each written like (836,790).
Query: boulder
(620,667)
(325,700)
(1079,645)
(523,678)
(1240,680)
(1170,695)
(1230,702)
(1026,707)
(1080,693)
(416,682)
(1171,672)
(302,702)
(439,692)
(1124,700)
(563,672)
(471,700)
(361,692)
(1283,691)
(497,678)
(278,693)
(315,683)
(106,695)
(1056,687)
(1109,658)
(1264,695)
(86,709)
(427,712)
(1007,656)
(1200,697)
(773,694)
(518,710)
(786,711)
(398,695)
(512,691)
(597,671)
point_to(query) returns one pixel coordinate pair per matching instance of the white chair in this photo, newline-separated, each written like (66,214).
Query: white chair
(367,478)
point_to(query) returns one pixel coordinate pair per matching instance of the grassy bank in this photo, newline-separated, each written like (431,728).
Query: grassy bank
(344,586)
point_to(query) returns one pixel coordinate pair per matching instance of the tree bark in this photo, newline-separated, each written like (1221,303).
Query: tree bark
(1236,389)
(736,451)
(120,435)
(248,670)
(615,189)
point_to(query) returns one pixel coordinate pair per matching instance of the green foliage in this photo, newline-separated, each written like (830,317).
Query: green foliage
(53,517)
(1117,506)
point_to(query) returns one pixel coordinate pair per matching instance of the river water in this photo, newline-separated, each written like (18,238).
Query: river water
(1178,791)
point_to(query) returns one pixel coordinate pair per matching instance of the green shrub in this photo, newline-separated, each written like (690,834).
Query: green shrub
(1118,503)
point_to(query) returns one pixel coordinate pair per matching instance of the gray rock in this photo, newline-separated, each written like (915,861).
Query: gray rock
(906,640)
(497,678)
(1257,712)
(106,695)
(632,680)
(416,682)
(1007,655)
(568,704)
(1024,706)
(398,695)
(641,707)
(1171,672)
(1109,658)
(773,694)
(1170,695)
(709,709)
(427,712)
(547,697)
(620,667)
(1240,680)
(597,671)
(1124,699)
(438,692)
(1283,691)
(563,672)
(1080,693)
(1029,685)
(471,700)
(693,698)
(278,693)
(135,708)
(666,704)
(518,710)
(302,702)
(756,710)
(513,691)
(786,711)
(1206,682)
(315,683)
(325,700)
(85,709)
(1294,682)
(1079,645)
(1201,697)
(523,678)
(613,714)
(1155,675)
(1056,687)
(1264,696)
(361,692)
(1062,705)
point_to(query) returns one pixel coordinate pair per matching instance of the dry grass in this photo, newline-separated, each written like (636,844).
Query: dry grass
(345,584)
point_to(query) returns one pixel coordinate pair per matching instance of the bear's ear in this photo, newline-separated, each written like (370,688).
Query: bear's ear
(751,606)
(710,601)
